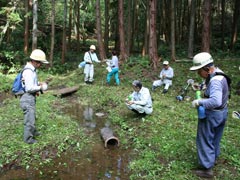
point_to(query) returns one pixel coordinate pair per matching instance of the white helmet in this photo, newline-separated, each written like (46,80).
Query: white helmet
(165,63)
(200,60)
(93,47)
(38,55)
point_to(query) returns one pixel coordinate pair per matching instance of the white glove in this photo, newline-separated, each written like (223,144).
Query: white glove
(44,86)
(195,103)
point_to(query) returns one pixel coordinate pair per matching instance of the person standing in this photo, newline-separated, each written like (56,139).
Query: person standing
(114,68)
(32,88)
(166,76)
(140,101)
(89,57)
(210,129)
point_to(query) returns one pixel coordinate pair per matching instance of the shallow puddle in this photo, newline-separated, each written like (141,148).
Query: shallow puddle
(94,163)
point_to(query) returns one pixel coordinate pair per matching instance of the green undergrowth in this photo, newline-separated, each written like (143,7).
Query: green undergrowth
(163,143)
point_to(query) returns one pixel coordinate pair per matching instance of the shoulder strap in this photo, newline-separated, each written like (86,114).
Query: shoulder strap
(90,56)
(229,81)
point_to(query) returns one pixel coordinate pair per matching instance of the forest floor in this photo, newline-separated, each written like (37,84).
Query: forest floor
(163,143)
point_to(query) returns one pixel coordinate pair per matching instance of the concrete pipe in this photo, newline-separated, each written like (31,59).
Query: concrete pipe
(108,137)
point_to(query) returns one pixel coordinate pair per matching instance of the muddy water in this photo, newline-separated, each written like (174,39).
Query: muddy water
(95,163)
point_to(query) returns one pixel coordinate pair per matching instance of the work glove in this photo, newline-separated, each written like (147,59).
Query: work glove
(195,103)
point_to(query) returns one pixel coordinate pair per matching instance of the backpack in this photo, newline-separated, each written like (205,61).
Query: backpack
(17,87)
(229,81)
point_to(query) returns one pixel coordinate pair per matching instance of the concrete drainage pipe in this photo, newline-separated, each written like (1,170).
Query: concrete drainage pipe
(108,137)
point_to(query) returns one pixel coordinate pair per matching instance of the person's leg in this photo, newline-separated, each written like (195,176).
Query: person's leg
(116,76)
(86,73)
(109,76)
(91,73)
(156,84)
(28,106)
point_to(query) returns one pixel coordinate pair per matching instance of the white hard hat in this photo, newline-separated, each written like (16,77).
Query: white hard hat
(165,63)
(93,47)
(38,55)
(200,60)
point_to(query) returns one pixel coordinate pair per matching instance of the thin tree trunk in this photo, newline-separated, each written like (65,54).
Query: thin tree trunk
(52,33)
(26,31)
(130,26)
(99,31)
(191,29)
(78,24)
(235,23)
(35,29)
(123,54)
(70,24)
(173,50)
(106,32)
(206,26)
(64,49)
(153,36)
(145,49)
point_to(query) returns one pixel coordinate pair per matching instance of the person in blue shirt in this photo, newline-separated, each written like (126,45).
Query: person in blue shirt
(210,129)
(140,101)
(166,76)
(32,89)
(113,69)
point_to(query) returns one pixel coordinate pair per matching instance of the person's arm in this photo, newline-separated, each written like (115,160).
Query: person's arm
(215,96)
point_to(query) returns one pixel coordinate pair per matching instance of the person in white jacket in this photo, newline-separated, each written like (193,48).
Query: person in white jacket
(140,101)
(89,57)
(166,76)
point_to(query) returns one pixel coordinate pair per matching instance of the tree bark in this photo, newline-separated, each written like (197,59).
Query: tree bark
(70,24)
(26,31)
(52,33)
(173,50)
(153,36)
(123,54)
(235,24)
(191,29)
(106,32)
(99,31)
(206,26)
(35,29)
(64,49)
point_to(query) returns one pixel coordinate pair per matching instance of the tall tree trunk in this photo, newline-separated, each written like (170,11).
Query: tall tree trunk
(145,49)
(52,33)
(70,24)
(206,26)
(223,23)
(130,26)
(191,29)
(78,24)
(64,48)
(153,36)
(106,32)
(102,53)
(235,23)
(35,29)
(173,50)
(26,31)
(123,54)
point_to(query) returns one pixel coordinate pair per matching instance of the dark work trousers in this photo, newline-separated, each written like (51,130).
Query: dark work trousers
(209,134)
(28,105)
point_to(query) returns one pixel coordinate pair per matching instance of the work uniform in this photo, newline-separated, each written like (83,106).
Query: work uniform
(167,80)
(210,129)
(89,58)
(142,101)
(115,68)
(28,101)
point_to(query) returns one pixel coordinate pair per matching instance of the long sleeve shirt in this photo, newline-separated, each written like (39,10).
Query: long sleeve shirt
(90,57)
(217,92)
(142,97)
(30,79)
(114,62)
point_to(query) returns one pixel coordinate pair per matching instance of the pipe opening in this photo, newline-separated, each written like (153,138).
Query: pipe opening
(111,142)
